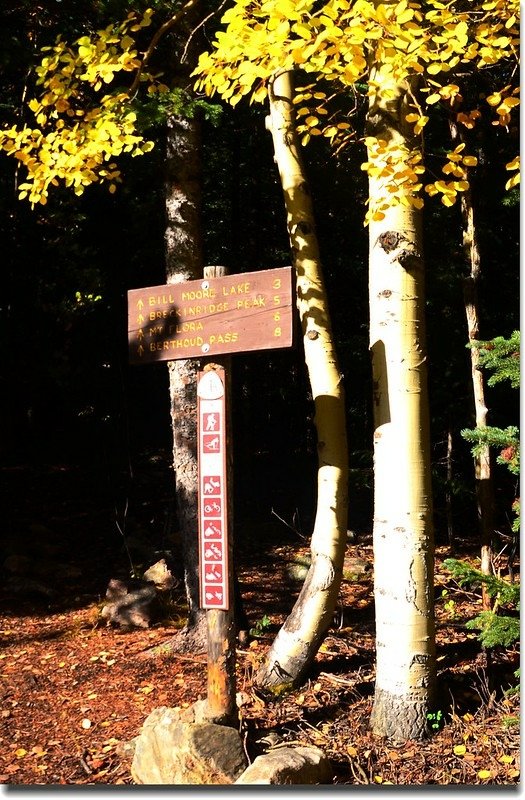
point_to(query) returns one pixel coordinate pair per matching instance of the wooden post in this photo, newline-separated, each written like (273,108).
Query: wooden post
(221,700)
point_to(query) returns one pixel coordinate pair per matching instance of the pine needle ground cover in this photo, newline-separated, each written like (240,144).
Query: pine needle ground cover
(74,692)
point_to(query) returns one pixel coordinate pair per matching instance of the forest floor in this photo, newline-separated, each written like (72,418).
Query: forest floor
(74,690)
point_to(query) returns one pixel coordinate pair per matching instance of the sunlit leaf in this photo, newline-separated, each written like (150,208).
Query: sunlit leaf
(484,774)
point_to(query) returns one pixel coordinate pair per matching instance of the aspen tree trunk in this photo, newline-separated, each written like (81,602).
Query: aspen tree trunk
(482,461)
(403,528)
(184,263)
(298,641)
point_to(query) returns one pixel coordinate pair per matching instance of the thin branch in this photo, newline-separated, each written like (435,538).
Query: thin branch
(168,25)
(194,31)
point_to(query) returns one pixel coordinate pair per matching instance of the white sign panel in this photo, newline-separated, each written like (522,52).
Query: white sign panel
(213,534)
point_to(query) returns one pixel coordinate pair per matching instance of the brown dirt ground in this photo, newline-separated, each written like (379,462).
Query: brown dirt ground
(73,690)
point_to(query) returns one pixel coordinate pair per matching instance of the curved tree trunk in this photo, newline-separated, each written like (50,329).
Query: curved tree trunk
(298,641)
(403,529)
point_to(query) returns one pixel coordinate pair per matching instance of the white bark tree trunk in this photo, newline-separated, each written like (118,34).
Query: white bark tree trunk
(298,641)
(403,528)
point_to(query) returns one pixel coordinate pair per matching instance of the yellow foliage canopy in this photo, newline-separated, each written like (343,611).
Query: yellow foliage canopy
(77,132)
(337,41)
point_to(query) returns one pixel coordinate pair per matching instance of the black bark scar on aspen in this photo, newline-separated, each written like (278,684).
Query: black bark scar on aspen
(304,227)
(408,257)
(390,240)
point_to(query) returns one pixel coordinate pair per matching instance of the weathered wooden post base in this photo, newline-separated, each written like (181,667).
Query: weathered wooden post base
(221,705)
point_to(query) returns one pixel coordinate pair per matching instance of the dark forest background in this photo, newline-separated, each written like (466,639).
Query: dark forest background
(69,398)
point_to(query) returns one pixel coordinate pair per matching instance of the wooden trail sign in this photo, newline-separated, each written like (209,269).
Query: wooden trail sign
(212,316)
(217,315)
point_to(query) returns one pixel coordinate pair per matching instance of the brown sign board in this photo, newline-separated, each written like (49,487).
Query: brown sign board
(209,317)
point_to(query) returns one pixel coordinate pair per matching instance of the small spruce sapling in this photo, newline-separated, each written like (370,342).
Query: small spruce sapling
(500,626)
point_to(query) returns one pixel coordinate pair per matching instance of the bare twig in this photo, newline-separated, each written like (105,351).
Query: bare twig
(201,23)
(168,25)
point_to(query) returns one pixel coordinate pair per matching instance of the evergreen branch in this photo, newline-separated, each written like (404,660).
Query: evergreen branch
(465,575)
(502,356)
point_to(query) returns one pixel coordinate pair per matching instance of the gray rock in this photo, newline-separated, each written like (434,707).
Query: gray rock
(172,752)
(289,765)
(131,604)
(160,575)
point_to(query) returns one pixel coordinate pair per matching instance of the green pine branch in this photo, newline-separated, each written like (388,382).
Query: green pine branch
(502,357)
(496,629)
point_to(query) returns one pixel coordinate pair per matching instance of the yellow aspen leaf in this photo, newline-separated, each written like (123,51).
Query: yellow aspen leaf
(506,759)
(20,753)
(514,164)
(351,750)
(484,774)
(514,181)
(460,749)
(420,124)
(448,200)
(510,102)
(433,98)
(302,30)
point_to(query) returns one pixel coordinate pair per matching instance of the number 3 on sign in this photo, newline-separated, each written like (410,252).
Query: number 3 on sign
(277,283)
